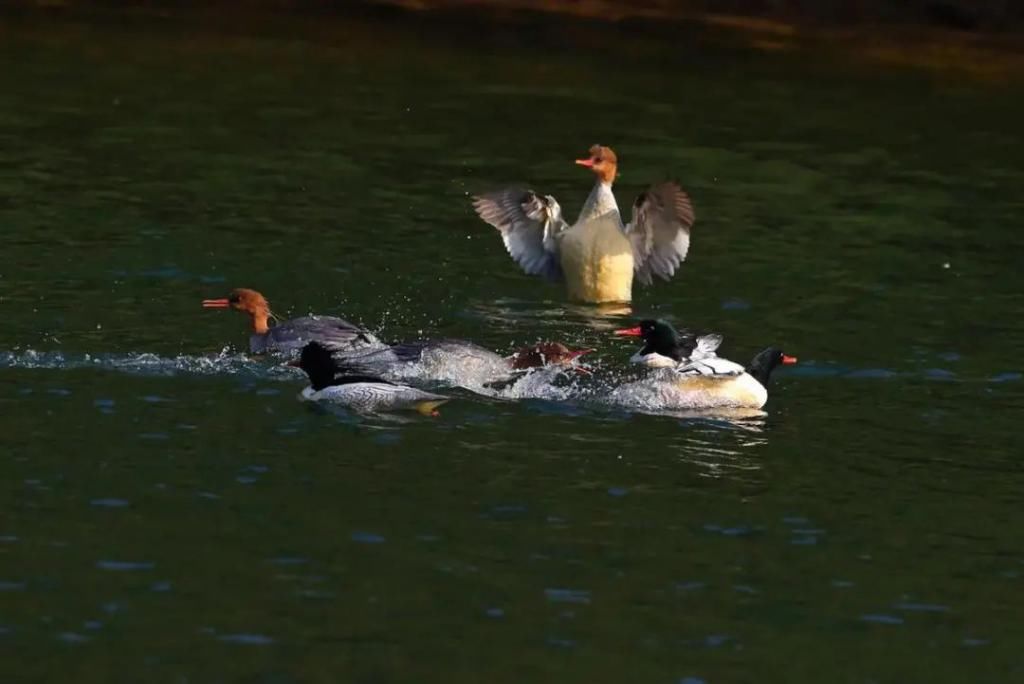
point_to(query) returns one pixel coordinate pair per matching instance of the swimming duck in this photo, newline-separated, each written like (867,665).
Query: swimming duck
(333,382)
(597,257)
(335,333)
(665,347)
(725,383)
(710,382)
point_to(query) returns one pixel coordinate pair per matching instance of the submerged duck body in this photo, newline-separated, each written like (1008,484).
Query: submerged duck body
(598,257)
(363,393)
(459,362)
(288,337)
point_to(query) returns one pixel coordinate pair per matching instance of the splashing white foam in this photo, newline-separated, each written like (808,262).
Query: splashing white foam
(144,363)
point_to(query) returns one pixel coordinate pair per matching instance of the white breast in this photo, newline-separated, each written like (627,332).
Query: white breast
(653,360)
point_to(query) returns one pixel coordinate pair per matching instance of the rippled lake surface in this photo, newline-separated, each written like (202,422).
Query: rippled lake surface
(172,512)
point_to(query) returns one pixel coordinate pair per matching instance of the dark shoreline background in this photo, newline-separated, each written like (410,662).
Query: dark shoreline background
(983,39)
(989,16)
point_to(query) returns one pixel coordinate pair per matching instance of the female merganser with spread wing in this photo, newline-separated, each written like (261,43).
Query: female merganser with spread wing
(665,347)
(332,382)
(461,362)
(336,334)
(710,382)
(598,256)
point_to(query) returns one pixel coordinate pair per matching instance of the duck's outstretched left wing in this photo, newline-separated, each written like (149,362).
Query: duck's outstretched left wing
(529,225)
(660,231)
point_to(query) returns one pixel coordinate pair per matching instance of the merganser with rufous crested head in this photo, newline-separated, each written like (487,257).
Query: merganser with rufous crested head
(336,383)
(337,334)
(598,257)
(665,347)
(462,362)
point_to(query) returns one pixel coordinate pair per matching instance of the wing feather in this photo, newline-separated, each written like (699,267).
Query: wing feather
(529,225)
(660,231)
(713,367)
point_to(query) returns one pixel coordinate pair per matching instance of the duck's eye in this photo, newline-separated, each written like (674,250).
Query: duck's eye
(234,299)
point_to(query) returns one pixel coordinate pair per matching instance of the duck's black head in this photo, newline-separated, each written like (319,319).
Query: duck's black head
(659,338)
(318,364)
(762,365)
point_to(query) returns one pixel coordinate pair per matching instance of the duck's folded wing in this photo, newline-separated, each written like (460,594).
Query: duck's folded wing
(713,367)
(660,231)
(336,334)
(529,225)
(706,345)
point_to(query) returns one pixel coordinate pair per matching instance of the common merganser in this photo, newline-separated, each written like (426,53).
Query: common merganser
(332,382)
(461,362)
(665,347)
(598,256)
(336,334)
(711,382)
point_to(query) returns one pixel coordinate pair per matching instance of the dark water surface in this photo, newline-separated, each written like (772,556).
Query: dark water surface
(171,512)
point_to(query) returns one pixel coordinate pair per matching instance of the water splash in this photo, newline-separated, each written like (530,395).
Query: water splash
(145,363)
(483,373)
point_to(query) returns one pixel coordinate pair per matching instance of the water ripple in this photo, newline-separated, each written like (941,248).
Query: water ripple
(124,565)
(580,596)
(109,503)
(246,639)
(881,619)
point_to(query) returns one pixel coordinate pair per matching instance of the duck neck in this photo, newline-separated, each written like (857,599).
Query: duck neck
(600,202)
(670,351)
(320,376)
(761,368)
(260,321)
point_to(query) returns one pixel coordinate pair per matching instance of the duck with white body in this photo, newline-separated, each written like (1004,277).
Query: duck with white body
(701,379)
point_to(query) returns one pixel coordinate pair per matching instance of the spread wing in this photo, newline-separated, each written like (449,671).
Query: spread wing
(529,225)
(660,231)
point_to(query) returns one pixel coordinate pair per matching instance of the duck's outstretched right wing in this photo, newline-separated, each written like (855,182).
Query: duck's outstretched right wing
(529,225)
